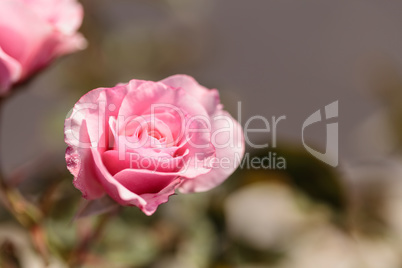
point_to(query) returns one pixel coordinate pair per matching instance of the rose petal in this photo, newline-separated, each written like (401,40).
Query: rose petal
(10,71)
(141,182)
(208,98)
(233,153)
(81,164)
(155,162)
(65,15)
(24,39)
(154,200)
(114,188)
(69,43)
(150,96)
(77,136)
(34,32)
(95,108)
(146,202)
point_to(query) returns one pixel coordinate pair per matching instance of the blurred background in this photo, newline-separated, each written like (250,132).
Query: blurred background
(278,58)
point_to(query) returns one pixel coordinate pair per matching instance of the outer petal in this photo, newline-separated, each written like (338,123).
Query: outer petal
(208,98)
(148,203)
(114,188)
(158,163)
(228,131)
(96,108)
(154,200)
(88,111)
(10,71)
(69,44)
(144,181)
(81,164)
(65,15)
(156,95)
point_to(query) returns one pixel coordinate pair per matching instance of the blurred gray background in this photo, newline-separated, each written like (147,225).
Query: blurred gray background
(287,57)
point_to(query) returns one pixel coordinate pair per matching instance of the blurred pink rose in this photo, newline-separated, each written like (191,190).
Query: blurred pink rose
(33,33)
(139,142)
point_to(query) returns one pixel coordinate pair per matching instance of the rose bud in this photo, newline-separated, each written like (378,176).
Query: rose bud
(33,33)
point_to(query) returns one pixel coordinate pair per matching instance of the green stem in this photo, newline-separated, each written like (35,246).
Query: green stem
(24,212)
(80,253)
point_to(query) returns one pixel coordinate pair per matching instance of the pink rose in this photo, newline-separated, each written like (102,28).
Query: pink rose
(33,33)
(139,142)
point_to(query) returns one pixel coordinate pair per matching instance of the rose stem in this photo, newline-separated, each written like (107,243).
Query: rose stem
(25,213)
(79,255)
